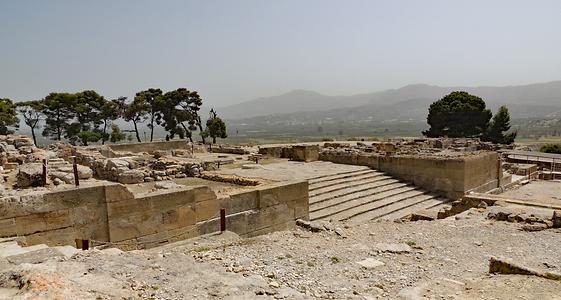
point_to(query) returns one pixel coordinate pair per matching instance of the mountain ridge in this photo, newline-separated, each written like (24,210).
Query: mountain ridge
(546,94)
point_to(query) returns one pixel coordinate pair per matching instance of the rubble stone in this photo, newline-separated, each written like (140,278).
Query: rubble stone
(131,176)
(30,175)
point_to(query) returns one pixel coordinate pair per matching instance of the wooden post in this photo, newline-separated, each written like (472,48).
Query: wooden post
(44,174)
(222,220)
(75,167)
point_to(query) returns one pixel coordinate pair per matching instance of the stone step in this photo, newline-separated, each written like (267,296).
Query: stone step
(358,205)
(380,191)
(319,185)
(446,203)
(351,190)
(428,204)
(336,186)
(337,176)
(395,206)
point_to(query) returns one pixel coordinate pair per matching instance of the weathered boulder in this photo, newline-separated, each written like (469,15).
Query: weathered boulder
(84,172)
(29,175)
(23,141)
(131,176)
(116,163)
(63,176)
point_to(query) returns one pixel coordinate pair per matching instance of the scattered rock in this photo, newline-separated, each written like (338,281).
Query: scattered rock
(167,185)
(534,227)
(392,248)
(370,263)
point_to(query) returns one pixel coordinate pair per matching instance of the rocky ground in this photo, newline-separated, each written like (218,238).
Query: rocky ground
(444,259)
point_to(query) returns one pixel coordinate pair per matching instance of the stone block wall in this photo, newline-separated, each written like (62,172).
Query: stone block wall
(56,218)
(305,153)
(156,146)
(112,214)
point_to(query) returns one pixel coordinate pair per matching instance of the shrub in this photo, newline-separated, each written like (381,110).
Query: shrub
(551,148)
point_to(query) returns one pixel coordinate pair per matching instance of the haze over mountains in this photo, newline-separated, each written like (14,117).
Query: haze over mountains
(407,103)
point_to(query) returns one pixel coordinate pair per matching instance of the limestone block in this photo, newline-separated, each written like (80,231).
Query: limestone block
(207,210)
(117,192)
(58,237)
(131,177)
(270,216)
(241,202)
(274,194)
(167,236)
(203,193)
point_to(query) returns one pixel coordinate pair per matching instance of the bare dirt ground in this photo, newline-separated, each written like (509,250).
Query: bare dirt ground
(539,191)
(444,259)
(290,170)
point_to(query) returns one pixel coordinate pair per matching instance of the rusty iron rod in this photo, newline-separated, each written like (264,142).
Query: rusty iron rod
(85,244)
(75,167)
(44,174)
(222,220)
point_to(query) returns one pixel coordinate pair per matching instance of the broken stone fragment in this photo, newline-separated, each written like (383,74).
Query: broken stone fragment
(392,248)
(131,176)
(370,263)
(29,175)
(507,266)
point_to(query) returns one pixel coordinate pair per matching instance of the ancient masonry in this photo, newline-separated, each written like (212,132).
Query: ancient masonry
(136,196)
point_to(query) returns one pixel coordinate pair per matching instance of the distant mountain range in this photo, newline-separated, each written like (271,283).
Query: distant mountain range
(407,103)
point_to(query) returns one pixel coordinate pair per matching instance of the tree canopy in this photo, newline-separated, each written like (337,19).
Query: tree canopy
(458,114)
(216,128)
(8,116)
(85,117)
(498,128)
(31,112)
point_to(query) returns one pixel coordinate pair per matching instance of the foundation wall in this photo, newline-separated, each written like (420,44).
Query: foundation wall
(449,177)
(155,146)
(112,215)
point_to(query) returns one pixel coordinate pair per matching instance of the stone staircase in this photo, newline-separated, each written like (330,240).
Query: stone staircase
(365,194)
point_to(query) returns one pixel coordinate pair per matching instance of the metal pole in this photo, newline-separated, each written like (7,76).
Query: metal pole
(75,167)
(222,220)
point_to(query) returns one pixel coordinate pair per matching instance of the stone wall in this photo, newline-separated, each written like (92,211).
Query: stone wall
(111,214)
(156,146)
(56,218)
(450,177)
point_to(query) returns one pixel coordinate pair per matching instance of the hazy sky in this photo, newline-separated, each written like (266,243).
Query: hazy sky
(233,50)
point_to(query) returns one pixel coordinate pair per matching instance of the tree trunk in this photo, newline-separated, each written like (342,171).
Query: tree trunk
(187,132)
(33,135)
(214,140)
(201,128)
(152,127)
(136,131)
(104,130)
